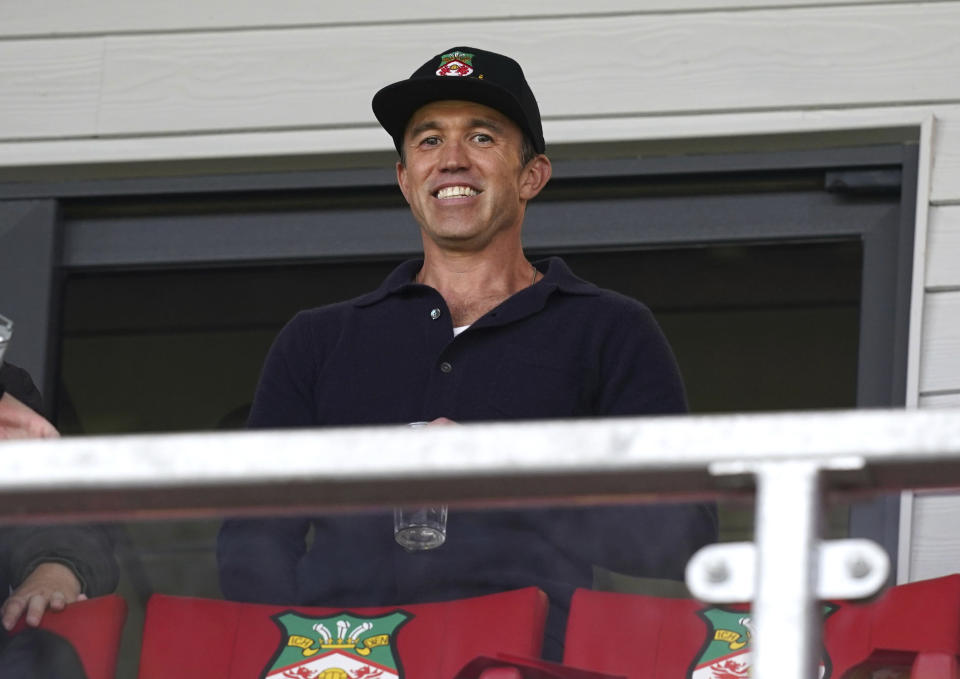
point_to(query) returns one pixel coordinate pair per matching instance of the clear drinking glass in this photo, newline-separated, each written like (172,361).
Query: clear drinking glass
(420,528)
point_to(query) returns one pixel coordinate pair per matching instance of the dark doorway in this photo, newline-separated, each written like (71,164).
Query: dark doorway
(766,326)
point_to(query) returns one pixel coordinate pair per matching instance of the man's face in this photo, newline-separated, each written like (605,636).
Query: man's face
(463,176)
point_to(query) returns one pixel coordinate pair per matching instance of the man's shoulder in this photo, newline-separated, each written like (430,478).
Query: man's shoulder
(325,312)
(619,302)
(559,273)
(313,324)
(338,311)
(590,297)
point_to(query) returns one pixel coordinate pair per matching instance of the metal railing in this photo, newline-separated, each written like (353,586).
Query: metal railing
(789,460)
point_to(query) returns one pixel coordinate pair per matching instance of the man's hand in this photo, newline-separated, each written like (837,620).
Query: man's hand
(17,421)
(51,585)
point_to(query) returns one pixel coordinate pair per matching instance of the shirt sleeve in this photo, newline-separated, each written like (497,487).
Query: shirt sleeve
(639,375)
(638,371)
(17,382)
(257,559)
(87,550)
(285,392)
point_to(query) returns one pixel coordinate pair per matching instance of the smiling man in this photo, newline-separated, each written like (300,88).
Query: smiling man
(472,331)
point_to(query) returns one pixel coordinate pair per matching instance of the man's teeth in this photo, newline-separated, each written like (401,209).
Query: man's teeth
(456,192)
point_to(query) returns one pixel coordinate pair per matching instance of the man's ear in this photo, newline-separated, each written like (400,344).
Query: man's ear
(535,176)
(402,180)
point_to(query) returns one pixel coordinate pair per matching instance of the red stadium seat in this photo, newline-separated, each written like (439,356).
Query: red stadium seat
(501,673)
(93,628)
(506,666)
(191,638)
(916,626)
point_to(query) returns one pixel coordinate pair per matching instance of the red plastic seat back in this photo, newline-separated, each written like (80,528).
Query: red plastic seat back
(93,627)
(506,666)
(501,673)
(202,638)
(916,624)
(643,637)
(640,637)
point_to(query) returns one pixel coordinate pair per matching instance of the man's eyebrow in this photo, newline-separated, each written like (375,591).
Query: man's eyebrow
(487,123)
(423,127)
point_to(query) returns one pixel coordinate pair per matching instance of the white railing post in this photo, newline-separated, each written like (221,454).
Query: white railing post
(785,606)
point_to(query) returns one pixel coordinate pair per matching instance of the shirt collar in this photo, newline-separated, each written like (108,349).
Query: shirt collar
(399,278)
(556,276)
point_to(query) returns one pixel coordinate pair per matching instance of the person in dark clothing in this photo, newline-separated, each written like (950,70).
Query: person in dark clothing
(46,566)
(39,654)
(473,331)
(20,416)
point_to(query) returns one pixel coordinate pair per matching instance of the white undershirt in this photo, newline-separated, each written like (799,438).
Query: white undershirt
(457,331)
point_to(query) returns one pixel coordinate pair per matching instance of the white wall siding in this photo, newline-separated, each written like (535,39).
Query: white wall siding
(946,161)
(949,400)
(943,247)
(936,540)
(940,355)
(50,87)
(648,64)
(71,17)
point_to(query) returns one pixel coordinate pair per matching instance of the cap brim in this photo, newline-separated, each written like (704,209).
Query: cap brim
(395,104)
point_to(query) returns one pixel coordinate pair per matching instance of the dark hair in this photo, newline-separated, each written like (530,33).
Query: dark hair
(527,151)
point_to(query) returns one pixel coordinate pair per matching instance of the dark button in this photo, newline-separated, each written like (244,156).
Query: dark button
(445,367)
(434,314)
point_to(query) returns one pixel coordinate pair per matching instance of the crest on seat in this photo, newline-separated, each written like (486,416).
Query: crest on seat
(726,652)
(340,646)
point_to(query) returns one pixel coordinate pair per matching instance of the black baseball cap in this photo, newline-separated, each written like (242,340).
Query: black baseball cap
(465,73)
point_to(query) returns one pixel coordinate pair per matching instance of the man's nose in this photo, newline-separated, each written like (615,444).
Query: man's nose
(454,156)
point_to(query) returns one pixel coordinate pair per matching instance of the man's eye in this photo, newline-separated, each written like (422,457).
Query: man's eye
(483,138)
(430,141)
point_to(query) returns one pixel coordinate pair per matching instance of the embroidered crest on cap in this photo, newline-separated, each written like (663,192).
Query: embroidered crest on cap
(456,63)
(342,646)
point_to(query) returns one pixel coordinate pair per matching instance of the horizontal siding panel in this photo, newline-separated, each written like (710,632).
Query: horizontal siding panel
(935,548)
(663,64)
(66,17)
(49,87)
(259,80)
(946,160)
(943,247)
(940,400)
(940,344)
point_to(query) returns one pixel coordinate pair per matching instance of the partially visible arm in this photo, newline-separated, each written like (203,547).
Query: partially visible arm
(285,391)
(48,566)
(52,566)
(638,372)
(257,559)
(50,585)
(639,376)
(17,421)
